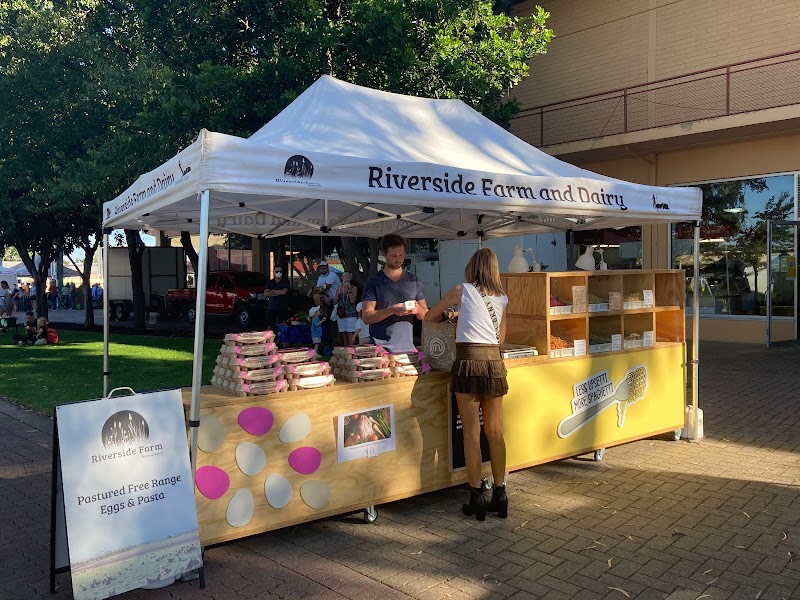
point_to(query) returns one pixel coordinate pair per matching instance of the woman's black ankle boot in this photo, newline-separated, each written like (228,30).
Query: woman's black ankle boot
(477,504)
(499,502)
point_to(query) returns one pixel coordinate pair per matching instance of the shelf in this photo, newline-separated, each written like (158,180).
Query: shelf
(529,320)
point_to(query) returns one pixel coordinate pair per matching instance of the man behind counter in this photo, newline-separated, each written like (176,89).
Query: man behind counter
(277,291)
(385,296)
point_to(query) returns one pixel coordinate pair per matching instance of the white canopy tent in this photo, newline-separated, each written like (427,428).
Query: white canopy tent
(344,160)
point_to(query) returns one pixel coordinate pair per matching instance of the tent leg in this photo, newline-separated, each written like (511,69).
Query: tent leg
(106,326)
(693,431)
(199,325)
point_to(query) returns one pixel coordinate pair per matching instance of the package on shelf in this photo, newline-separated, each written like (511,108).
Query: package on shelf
(249,337)
(363,375)
(560,347)
(633,300)
(306,369)
(597,303)
(409,370)
(360,351)
(254,362)
(633,340)
(311,382)
(248,349)
(297,355)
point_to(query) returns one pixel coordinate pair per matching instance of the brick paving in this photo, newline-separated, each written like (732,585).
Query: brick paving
(656,519)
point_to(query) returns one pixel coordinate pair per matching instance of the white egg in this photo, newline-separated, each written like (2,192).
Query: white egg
(278,490)
(250,458)
(240,509)
(315,493)
(295,428)
(210,434)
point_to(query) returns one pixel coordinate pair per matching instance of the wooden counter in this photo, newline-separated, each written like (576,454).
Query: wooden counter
(542,394)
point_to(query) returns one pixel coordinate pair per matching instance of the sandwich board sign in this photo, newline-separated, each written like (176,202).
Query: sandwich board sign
(126,494)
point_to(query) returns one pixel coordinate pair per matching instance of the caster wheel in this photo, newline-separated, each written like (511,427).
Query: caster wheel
(599,454)
(676,435)
(370,514)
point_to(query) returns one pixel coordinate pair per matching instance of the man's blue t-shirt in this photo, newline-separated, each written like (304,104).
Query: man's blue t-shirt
(396,331)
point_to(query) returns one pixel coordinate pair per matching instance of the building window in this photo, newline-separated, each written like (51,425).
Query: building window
(733,247)
(618,248)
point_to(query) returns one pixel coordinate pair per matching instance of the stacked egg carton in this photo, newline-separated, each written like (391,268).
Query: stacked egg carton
(303,371)
(249,365)
(367,362)
(410,363)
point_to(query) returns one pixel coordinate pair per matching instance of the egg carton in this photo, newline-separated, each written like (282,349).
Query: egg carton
(408,358)
(249,337)
(297,355)
(254,362)
(248,349)
(365,375)
(260,388)
(364,351)
(355,364)
(307,369)
(310,383)
(267,374)
(409,370)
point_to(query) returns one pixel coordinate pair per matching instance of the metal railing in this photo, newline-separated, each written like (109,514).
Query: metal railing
(748,86)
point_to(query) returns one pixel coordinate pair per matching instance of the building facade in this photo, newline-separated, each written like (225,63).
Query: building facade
(678,92)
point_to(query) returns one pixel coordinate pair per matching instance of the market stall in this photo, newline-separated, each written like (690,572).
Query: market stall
(345,160)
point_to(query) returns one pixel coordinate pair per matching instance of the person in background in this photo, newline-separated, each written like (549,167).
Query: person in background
(385,296)
(479,374)
(41,332)
(361,333)
(97,295)
(345,306)
(277,291)
(317,322)
(6,302)
(32,292)
(65,296)
(16,293)
(52,294)
(325,290)
(29,330)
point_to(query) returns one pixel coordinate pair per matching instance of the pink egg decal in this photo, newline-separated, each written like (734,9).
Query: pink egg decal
(256,420)
(212,482)
(305,460)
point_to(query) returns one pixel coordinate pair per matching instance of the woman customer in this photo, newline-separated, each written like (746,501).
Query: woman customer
(479,374)
(345,307)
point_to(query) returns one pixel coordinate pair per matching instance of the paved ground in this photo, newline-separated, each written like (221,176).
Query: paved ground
(707,520)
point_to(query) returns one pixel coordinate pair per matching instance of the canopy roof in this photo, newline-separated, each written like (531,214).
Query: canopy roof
(347,160)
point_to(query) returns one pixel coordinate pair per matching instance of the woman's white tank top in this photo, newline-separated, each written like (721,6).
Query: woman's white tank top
(475,324)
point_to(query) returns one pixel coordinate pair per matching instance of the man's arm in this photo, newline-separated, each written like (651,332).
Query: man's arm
(369,315)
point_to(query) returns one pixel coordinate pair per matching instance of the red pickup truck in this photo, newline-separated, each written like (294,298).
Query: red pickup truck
(230,293)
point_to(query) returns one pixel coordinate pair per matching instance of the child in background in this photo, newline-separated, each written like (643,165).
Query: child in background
(316,327)
(361,335)
(41,332)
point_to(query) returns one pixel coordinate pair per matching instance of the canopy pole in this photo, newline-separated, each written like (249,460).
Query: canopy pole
(769,283)
(106,326)
(201,278)
(696,335)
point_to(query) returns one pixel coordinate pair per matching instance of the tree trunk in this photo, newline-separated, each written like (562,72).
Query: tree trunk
(135,251)
(88,309)
(186,242)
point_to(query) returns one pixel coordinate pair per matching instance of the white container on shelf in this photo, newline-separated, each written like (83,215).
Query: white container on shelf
(600,307)
(633,304)
(559,352)
(632,343)
(594,348)
(561,310)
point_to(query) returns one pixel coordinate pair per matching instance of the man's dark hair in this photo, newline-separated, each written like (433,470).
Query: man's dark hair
(392,240)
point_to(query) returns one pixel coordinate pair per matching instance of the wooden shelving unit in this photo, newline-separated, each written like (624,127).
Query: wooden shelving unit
(645,308)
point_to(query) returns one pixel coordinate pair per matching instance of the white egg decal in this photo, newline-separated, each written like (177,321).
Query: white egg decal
(295,428)
(315,493)
(278,490)
(240,509)
(210,434)
(250,458)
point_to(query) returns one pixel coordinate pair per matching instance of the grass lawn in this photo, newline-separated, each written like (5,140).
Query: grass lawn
(39,377)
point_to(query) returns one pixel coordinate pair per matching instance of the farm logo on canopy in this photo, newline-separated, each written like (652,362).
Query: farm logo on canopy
(298,167)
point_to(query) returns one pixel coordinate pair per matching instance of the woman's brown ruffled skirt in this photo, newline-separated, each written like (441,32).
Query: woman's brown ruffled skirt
(479,369)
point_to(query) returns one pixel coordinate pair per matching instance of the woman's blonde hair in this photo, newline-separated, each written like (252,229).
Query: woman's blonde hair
(483,272)
(41,321)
